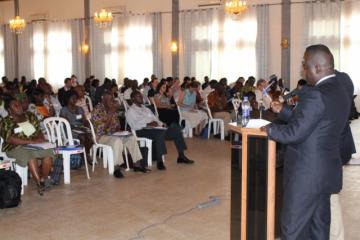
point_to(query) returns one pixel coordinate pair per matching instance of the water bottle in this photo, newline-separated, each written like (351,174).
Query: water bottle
(245,107)
(261,109)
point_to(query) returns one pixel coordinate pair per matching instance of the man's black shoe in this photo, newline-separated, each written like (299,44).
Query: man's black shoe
(117,172)
(141,169)
(161,166)
(185,160)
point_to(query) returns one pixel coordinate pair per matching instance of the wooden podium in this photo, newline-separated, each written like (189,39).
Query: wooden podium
(269,175)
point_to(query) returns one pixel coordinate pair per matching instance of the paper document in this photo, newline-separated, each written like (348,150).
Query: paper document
(44,145)
(257,123)
(121,134)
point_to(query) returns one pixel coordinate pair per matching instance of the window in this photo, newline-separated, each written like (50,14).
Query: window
(52,52)
(350,43)
(129,48)
(219,46)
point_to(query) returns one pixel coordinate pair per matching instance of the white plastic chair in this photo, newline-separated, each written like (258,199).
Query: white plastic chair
(123,102)
(187,131)
(22,171)
(216,123)
(89,103)
(59,132)
(236,102)
(104,150)
(152,100)
(145,142)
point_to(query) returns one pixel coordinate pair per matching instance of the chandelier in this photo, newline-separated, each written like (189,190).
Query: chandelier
(103,19)
(235,7)
(17,25)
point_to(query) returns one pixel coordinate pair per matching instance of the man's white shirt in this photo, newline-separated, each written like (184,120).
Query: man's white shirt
(138,117)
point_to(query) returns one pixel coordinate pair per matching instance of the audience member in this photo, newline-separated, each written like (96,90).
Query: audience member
(77,119)
(167,111)
(218,106)
(262,96)
(81,100)
(100,90)
(21,128)
(146,124)
(62,91)
(106,123)
(190,110)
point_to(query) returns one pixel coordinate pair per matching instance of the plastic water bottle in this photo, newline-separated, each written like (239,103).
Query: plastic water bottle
(245,107)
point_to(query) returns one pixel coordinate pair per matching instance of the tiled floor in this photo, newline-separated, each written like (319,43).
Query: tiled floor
(157,206)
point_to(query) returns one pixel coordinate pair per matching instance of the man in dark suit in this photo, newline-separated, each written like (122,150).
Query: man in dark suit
(347,145)
(62,91)
(347,148)
(312,167)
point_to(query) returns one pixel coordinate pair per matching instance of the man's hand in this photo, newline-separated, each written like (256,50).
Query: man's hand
(265,128)
(276,106)
(153,124)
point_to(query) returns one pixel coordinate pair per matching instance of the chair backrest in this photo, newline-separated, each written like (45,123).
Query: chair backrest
(207,108)
(236,103)
(92,131)
(179,111)
(152,100)
(59,131)
(89,103)
(123,101)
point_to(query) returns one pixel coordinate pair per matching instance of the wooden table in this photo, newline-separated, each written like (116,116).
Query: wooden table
(271,182)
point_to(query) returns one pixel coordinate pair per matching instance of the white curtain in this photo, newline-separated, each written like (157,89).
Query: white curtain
(78,57)
(26,66)
(350,42)
(51,44)
(157,45)
(262,41)
(322,25)
(2,53)
(9,50)
(216,45)
(125,49)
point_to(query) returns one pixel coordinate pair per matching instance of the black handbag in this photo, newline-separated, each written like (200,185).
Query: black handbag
(10,189)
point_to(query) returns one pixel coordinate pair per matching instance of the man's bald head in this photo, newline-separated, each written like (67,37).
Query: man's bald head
(318,63)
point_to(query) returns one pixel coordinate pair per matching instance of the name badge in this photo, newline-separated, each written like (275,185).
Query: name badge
(18,130)
(78,117)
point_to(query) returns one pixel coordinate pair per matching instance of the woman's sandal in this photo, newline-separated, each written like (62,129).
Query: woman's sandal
(40,189)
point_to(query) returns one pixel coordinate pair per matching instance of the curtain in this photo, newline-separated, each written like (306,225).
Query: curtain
(47,51)
(9,53)
(2,53)
(126,49)
(157,45)
(322,25)
(26,66)
(78,58)
(217,45)
(262,40)
(350,42)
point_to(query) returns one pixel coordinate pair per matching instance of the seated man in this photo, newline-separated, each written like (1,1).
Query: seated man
(262,96)
(144,122)
(106,123)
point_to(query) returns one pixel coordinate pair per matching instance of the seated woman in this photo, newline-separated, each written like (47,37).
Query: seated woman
(39,109)
(189,109)
(21,128)
(219,107)
(77,119)
(81,101)
(167,111)
(107,123)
